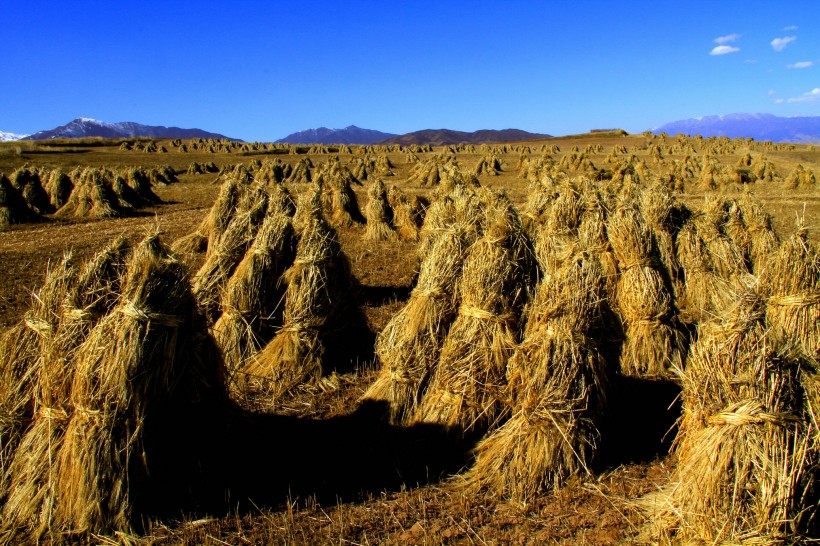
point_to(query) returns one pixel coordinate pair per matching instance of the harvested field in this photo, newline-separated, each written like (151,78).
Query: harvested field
(361,377)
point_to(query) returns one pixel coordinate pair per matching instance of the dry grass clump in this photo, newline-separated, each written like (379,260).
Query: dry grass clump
(139,378)
(654,342)
(251,302)
(379,213)
(13,208)
(318,288)
(465,391)
(409,346)
(791,280)
(557,391)
(742,448)
(32,475)
(408,213)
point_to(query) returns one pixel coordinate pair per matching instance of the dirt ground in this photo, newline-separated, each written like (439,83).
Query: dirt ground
(348,478)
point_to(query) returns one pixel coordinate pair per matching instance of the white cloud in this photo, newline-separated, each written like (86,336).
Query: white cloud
(811,96)
(790,27)
(724,50)
(801,64)
(779,44)
(726,39)
(779,101)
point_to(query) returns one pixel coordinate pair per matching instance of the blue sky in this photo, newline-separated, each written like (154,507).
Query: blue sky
(262,70)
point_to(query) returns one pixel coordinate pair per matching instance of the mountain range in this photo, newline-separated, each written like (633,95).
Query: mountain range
(445,137)
(349,135)
(798,129)
(86,127)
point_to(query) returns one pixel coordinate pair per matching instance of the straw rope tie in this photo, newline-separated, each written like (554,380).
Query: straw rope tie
(805,299)
(39,326)
(749,412)
(482,314)
(81,315)
(59,414)
(132,311)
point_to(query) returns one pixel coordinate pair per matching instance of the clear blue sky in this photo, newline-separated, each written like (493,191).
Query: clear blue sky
(262,70)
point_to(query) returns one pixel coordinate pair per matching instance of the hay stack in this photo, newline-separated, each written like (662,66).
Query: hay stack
(32,474)
(139,381)
(339,201)
(664,217)
(408,214)
(379,214)
(13,208)
(92,197)
(301,172)
(21,348)
(742,450)
(409,346)
(318,286)
(654,342)
(252,298)
(59,188)
(800,178)
(763,239)
(488,165)
(791,279)
(466,385)
(140,182)
(556,238)
(556,392)
(27,182)
(225,253)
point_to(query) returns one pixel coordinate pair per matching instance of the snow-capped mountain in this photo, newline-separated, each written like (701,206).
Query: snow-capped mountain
(798,129)
(87,127)
(5,137)
(348,135)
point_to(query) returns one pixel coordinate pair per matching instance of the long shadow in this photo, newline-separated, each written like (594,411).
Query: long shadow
(381,295)
(641,420)
(265,460)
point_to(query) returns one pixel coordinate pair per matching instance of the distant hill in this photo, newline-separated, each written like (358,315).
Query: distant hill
(85,127)
(348,135)
(5,137)
(801,130)
(445,137)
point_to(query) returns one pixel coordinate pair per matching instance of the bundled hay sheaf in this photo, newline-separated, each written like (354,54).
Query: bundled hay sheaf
(556,389)
(139,380)
(742,449)
(13,208)
(379,214)
(59,188)
(408,214)
(409,346)
(32,475)
(653,340)
(92,197)
(318,287)
(28,183)
(251,303)
(465,391)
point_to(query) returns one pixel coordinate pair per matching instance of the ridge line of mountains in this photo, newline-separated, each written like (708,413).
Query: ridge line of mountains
(761,127)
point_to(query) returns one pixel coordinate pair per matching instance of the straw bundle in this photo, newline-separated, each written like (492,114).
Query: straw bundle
(252,297)
(13,208)
(556,239)
(379,214)
(21,348)
(464,391)
(425,173)
(407,214)
(556,391)
(653,342)
(30,187)
(33,471)
(59,187)
(742,450)
(409,346)
(488,165)
(664,217)
(92,197)
(139,380)
(229,250)
(301,172)
(140,182)
(318,285)
(800,178)
(338,198)
(791,279)
(763,239)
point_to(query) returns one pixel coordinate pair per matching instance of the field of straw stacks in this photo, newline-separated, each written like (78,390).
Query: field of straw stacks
(600,338)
